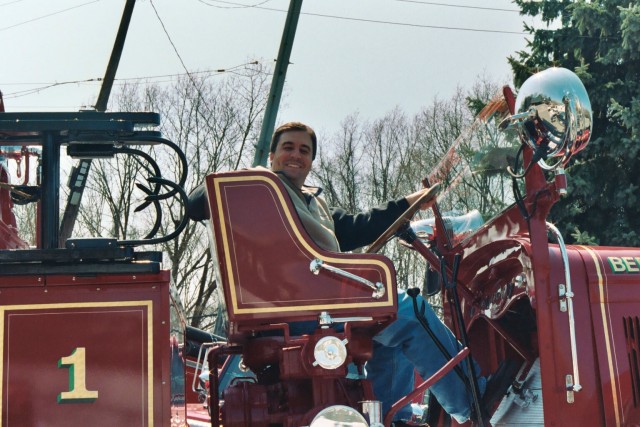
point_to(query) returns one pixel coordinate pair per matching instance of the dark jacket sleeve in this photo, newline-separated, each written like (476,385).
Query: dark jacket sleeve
(356,231)
(197,208)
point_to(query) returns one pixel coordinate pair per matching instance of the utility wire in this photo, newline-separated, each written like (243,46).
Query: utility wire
(247,6)
(165,78)
(10,2)
(153,6)
(374,21)
(240,6)
(235,5)
(27,92)
(175,49)
(48,15)
(406,24)
(160,76)
(205,117)
(460,6)
(217,71)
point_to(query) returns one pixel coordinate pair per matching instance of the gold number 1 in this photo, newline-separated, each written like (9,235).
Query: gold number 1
(78,392)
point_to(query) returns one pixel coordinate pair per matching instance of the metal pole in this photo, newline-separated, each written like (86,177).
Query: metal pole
(80,173)
(49,201)
(277,84)
(114,60)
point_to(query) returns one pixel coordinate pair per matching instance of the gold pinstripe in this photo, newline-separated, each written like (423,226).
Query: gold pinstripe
(605,324)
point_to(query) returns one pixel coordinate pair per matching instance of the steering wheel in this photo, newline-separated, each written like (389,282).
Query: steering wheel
(406,215)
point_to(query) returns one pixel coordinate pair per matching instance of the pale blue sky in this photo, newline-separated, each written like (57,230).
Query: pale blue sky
(366,55)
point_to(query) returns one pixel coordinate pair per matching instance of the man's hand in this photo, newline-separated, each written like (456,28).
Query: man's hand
(422,199)
(428,202)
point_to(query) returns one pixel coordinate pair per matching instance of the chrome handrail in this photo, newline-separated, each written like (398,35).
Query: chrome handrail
(575,384)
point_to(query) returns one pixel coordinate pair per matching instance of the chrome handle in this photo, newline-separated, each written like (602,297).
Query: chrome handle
(200,363)
(573,384)
(378,288)
(325,320)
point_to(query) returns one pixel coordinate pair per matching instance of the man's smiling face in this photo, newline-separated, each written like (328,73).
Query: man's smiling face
(293,156)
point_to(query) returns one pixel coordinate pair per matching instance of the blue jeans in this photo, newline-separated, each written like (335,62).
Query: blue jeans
(404,346)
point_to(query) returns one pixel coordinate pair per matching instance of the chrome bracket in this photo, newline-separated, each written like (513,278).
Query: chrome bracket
(325,320)
(562,293)
(570,388)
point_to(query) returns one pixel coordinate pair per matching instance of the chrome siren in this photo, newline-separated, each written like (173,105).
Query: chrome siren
(553,115)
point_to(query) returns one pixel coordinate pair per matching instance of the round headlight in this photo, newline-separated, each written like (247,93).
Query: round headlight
(339,415)
(554,114)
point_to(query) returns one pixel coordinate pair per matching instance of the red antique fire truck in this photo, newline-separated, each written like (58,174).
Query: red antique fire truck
(91,334)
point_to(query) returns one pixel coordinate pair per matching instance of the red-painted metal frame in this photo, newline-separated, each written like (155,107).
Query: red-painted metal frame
(420,388)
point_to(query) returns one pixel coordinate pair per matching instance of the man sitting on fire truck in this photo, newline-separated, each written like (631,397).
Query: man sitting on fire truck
(402,346)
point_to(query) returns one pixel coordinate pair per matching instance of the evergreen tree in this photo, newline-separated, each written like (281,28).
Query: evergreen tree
(600,41)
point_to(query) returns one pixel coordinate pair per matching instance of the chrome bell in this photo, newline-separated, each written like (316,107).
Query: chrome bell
(553,115)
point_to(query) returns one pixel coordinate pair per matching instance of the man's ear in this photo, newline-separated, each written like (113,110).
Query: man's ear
(270,156)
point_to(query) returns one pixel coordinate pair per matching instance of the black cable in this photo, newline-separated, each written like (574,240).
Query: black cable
(451,286)
(184,199)
(413,293)
(539,154)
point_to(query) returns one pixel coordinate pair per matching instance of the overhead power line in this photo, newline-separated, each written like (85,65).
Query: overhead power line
(406,24)
(48,15)
(461,6)
(259,6)
(372,21)
(26,92)
(241,6)
(165,77)
(10,2)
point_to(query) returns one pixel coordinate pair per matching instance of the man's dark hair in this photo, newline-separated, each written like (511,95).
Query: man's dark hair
(293,126)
